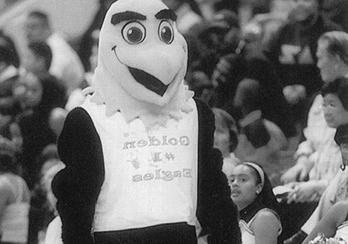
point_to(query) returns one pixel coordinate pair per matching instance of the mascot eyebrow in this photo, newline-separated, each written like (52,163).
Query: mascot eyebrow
(131,15)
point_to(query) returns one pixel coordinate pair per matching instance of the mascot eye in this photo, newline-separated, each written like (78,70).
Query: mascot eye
(134,33)
(166,32)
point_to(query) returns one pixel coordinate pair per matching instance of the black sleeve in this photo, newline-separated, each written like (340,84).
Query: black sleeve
(216,211)
(77,186)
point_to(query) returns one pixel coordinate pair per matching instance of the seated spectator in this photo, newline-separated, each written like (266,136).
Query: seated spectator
(66,64)
(333,224)
(39,62)
(260,140)
(250,62)
(335,108)
(225,139)
(292,51)
(251,191)
(7,41)
(202,86)
(271,22)
(35,98)
(8,72)
(8,107)
(9,127)
(337,11)
(87,40)
(14,198)
(317,158)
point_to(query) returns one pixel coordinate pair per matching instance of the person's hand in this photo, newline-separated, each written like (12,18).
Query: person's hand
(291,174)
(303,192)
(294,93)
(298,172)
(303,161)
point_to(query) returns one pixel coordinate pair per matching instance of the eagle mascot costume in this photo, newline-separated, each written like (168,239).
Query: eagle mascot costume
(140,163)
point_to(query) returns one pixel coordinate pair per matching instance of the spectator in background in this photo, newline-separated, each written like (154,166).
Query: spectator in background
(8,107)
(14,198)
(335,108)
(188,12)
(9,43)
(66,64)
(336,113)
(317,158)
(292,50)
(260,140)
(8,72)
(39,62)
(226,139)
(35,99)
(337,11)
(249,62)
(87,39)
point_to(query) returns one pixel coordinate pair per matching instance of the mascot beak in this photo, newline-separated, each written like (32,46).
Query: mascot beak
(149,81)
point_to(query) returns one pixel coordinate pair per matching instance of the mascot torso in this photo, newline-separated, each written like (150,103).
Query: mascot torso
(145,169)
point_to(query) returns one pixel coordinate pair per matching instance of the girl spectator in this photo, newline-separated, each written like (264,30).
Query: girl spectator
(251,191)
(14,198)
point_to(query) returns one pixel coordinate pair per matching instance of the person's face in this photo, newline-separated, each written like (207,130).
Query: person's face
(334,112)
(244,186)
(28,91)
(222,139)
(303,9)
(327,63)
(33,64)
(35,29)
(220,73)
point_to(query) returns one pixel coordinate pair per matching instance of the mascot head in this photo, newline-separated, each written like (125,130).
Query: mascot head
(142,61)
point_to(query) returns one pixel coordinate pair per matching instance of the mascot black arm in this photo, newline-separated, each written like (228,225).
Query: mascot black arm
(78,185)
(216,212)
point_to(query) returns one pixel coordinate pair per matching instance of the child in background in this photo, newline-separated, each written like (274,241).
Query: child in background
(251,191)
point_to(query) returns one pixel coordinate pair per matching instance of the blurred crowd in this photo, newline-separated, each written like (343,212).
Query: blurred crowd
(273,72)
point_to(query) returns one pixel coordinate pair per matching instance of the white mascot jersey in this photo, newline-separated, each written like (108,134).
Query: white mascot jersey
(146,119)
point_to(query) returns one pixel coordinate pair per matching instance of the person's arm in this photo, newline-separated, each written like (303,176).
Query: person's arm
(329,223)
(77,186)
(308,191)
(5,194)
(266,228)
